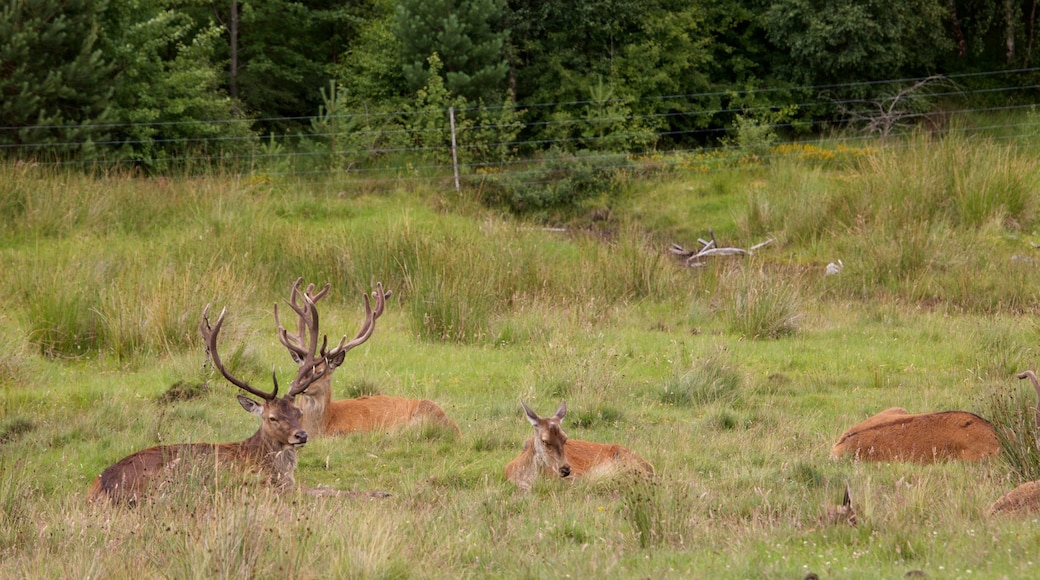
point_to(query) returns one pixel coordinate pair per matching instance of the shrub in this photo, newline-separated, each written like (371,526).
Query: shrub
(560,183)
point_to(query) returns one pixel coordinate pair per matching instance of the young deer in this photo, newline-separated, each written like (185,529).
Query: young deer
(271,451)
(842,514)
(895,435)
(1024,499)
(552,453)
(322,415)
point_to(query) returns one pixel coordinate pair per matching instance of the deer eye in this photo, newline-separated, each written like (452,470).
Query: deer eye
(273,419)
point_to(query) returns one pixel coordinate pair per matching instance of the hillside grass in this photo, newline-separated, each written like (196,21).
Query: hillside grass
(733,379)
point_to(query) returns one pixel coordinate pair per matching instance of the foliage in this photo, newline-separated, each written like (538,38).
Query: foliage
(1013,412)
(286,52)
(652,49)
(370,67)
(169,97)
(483,134)
(754,135)
(835,42)
(56,83)
(559,184)
(466,36)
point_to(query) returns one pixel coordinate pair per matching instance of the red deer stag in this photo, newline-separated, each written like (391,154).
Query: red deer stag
(895,435)
(552,453)
(1024,499)
(322,415)
(271,451)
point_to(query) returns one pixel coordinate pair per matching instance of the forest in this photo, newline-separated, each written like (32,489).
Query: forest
(155,83)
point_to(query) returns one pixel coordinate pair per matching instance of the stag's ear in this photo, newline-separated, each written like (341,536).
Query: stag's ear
(251,405)
(296,358)
(531,415)
(336,359)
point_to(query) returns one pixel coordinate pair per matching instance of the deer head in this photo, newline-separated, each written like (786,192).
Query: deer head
(549,440)
(333,358)
(280,427)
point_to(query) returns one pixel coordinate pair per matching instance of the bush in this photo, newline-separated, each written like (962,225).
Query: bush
(560,183)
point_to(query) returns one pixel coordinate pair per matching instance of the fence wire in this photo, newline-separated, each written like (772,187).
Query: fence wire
(405,145)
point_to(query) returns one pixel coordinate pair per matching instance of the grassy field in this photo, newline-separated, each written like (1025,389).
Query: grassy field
(734,379)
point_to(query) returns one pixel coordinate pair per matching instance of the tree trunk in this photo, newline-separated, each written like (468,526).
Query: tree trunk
(233,31)
(958,32)
(1009,41)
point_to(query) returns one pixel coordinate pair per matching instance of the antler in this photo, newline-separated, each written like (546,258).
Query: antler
(295,342)
(304,351)
(367,327)
(209,335)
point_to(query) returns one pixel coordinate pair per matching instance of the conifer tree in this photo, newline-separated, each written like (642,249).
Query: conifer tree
(55,86)
(467,34)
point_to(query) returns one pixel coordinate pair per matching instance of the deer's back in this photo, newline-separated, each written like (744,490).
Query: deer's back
(1023,499)
(895,435)
(136,476)
(372,413)
(587,456)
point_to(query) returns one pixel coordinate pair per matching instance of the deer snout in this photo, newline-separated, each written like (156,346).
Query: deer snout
(565,470)
(298,438)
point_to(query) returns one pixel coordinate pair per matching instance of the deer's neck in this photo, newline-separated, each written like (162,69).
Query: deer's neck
(314,404)
(524,469)
(275,459)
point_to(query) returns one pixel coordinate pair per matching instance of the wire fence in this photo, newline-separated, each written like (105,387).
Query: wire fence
(474,144)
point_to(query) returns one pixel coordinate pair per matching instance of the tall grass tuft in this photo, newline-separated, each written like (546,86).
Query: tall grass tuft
(16,501)
(760,304)
(659,512)
(1013,412)
(64,323)
(712,380)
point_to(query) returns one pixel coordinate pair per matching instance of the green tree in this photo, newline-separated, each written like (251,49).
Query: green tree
(169,97)
(468,36)
(370,68)
(838,41)
(573,53)
(55,84)
(286,51)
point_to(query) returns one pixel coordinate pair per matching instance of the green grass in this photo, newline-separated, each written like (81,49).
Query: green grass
(733,379)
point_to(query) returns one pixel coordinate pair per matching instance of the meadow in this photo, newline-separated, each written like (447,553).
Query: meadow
(733,378)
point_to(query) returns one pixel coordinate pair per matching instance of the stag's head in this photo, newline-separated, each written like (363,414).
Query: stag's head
(303,303)
(549,440)
(280,426)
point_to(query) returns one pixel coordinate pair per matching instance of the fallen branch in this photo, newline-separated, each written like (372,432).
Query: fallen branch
(709,248)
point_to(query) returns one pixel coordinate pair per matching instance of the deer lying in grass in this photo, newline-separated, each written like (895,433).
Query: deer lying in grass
(1024,499)
(271,451)
(895,435)
(842,514)
(322,415)
(550,452)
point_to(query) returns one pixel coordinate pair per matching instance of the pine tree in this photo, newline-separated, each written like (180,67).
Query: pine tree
(55,86)
(467,34)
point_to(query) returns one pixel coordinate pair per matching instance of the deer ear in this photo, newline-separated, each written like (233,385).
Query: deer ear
(531,415)
(561,412)
(296,358)
(251,405)
(337,359)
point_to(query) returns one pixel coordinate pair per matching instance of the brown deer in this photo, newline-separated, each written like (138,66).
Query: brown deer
(322,415)
(1024,499)
(552,453)
(896,435)
(271,451)
(842,514)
